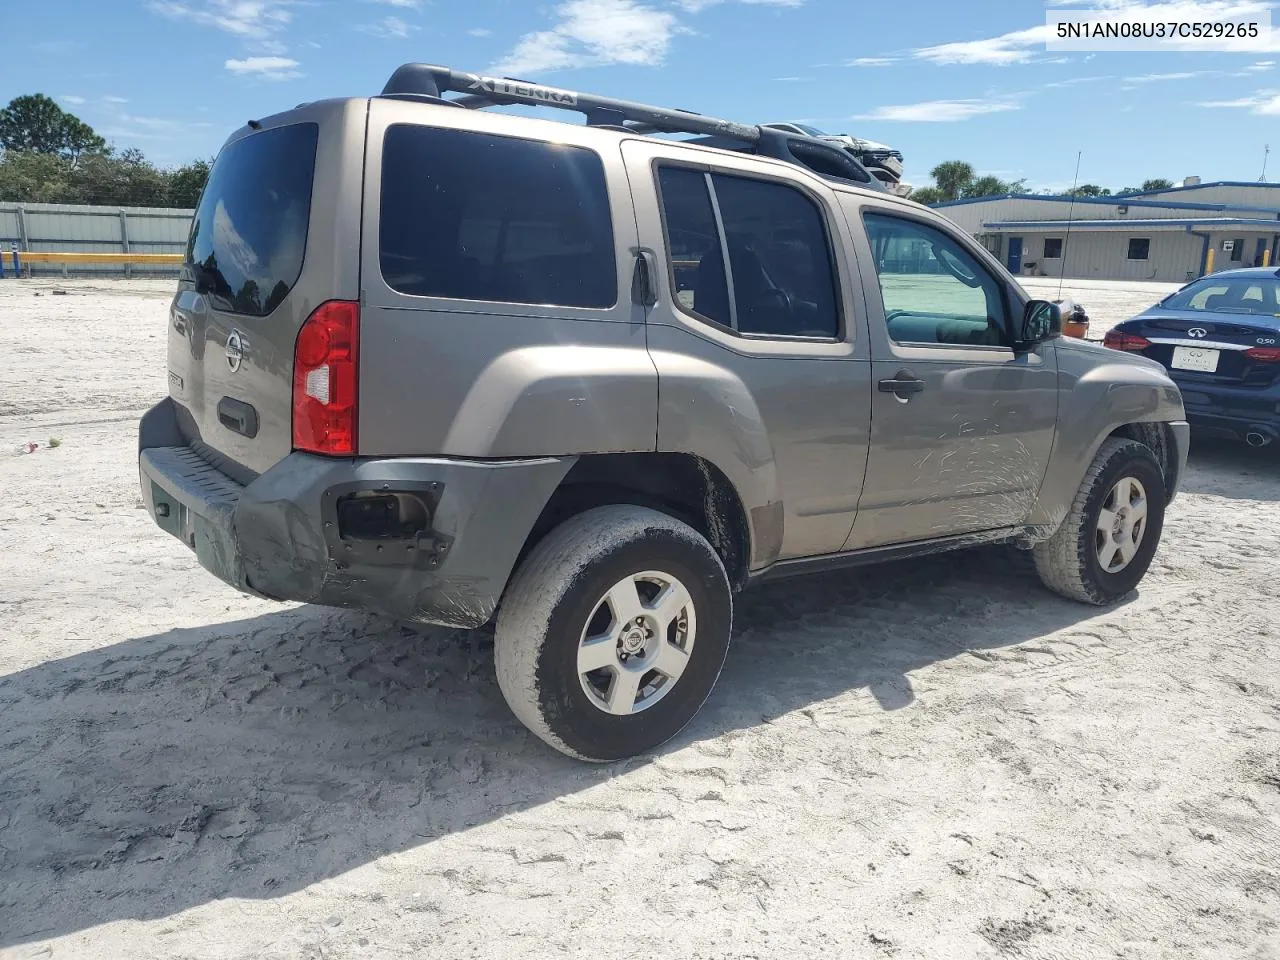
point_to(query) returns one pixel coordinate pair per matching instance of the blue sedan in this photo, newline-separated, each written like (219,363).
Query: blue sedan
(1219,338)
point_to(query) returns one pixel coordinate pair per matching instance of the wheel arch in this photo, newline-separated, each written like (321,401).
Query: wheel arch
(684,486)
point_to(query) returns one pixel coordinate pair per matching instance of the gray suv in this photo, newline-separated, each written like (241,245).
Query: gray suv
(454,365)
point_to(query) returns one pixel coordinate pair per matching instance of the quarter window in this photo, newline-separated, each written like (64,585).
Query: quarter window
(749,255)
(1139,248)
(933,289)
(471,216)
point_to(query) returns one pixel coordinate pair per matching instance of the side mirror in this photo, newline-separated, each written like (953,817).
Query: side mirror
(1041,321)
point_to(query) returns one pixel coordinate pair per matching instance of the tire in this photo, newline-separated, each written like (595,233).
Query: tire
(1069,563)
(563,596)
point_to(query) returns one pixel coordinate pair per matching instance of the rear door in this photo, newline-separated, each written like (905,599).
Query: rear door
(762,359)
(961,425)
(276,233)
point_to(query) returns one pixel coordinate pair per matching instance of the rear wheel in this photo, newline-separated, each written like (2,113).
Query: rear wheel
(613,632)
(1108,539)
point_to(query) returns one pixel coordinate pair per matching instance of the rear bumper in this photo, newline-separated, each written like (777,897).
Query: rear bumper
(1232,411)
(278,537)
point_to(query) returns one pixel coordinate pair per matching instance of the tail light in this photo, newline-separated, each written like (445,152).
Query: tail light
(325,380)
(1264,354)
(1119,340)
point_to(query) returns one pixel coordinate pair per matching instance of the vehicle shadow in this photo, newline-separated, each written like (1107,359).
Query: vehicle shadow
(253,758)
(1225,468)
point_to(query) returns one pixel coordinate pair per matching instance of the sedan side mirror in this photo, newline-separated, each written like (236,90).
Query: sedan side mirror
(1041,321)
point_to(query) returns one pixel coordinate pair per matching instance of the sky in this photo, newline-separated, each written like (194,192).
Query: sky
(938,80)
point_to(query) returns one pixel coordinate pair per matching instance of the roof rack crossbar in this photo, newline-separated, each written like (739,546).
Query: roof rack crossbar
(478,92)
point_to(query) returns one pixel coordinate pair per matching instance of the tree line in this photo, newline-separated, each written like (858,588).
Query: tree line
(957,180)
(48,155)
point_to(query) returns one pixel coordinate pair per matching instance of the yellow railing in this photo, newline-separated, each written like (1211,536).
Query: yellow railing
(41,256)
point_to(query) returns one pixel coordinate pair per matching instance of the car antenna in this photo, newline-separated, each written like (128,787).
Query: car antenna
(1062,271)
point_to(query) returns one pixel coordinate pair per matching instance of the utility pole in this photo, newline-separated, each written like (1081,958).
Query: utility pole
(1266,151)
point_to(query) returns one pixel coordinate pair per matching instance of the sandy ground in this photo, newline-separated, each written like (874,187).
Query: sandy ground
(934,759)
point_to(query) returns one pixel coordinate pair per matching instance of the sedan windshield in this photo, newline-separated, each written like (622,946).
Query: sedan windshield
(1247,295)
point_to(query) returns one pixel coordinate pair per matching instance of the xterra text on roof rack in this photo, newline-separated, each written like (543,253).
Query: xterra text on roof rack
(446,363)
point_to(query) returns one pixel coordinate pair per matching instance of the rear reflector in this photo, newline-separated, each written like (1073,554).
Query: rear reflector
(1264,354)
(325,372)
(1118,340)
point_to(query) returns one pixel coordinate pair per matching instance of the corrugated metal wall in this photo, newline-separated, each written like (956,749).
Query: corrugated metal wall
(971,216)
(60,227)
(1103,255)
(1266,195)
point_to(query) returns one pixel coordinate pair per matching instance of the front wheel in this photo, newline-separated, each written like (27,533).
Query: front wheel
(1109,537)
(613,632)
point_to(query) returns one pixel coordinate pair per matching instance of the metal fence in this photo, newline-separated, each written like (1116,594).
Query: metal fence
(71,228)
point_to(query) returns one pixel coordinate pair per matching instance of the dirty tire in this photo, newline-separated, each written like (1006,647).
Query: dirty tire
(1068,563)
(553,595)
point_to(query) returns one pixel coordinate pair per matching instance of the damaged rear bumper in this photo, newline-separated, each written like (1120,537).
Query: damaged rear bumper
(294,534)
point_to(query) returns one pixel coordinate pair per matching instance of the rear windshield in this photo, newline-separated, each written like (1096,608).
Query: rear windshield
(250,232)
(471,216)
(1244,295)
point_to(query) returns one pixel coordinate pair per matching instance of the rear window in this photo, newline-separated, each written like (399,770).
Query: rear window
(250,232)
(1259,296)
(471,216)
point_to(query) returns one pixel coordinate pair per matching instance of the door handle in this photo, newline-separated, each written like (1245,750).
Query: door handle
(902,385)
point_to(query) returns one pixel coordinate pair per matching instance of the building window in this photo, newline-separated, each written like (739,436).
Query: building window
(1237,251)
(1053,248)
(1139,248)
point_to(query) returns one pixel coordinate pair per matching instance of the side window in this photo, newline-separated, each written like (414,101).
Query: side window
(470,216)
(1139,248)
(933,290)
(749,255)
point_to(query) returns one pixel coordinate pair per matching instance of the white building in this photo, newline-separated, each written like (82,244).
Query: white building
(1174,235)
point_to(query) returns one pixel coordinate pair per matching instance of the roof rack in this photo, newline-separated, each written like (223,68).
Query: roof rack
(423,81)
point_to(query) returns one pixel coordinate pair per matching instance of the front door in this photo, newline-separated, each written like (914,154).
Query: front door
(758,336)
(1015,255)
(962,425)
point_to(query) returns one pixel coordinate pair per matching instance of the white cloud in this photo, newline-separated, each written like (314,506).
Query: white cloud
(73,100)
(389,28)
(1014,47)
(938,111)
(403,4)
(1260,67)
(593,33)
(873,61)
(1158,77)
(111,99)
(268,68)
(697,6)
(1073,82)
(791,79)
(253,19)
(1264,103)
(1021,46)
(480,32)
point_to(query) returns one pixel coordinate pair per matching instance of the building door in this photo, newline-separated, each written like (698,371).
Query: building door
(1015,255)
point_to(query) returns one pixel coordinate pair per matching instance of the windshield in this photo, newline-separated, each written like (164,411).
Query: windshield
(1258,296)
(811,131)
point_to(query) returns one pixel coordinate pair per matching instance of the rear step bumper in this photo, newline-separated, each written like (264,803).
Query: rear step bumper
(319,530)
